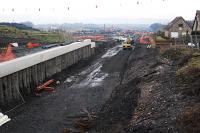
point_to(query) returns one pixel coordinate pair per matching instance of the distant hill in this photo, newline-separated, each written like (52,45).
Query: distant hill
(74,26)
(156,27)
(81,26)
(20,26)
(28,24)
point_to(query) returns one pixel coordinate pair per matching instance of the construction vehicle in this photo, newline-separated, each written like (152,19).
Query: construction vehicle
(128,44)
(145,40)
(31,45)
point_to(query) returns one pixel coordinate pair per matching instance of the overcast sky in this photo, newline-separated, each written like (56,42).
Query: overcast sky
(107,11)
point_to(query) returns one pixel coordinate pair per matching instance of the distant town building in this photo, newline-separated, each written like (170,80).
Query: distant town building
(178,28)
(196,24)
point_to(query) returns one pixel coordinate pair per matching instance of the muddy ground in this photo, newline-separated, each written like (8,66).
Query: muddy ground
(117,112)
(126,91)
(83,87)
(148,98)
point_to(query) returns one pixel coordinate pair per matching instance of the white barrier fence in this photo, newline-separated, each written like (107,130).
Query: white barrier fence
(12,66)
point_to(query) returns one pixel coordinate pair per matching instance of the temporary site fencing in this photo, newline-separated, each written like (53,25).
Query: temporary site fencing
(189,40)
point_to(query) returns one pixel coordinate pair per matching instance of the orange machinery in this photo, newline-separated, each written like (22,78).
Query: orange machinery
(145,40)
(32,45)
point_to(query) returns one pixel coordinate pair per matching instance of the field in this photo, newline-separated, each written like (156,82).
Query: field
(10,34)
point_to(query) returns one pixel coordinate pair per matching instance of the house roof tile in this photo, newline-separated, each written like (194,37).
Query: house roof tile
(176,20)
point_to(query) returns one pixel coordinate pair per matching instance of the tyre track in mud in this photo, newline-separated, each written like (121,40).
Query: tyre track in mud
(122,73)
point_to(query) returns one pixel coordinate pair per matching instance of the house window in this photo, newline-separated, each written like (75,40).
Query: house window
(183,33)
(180,26)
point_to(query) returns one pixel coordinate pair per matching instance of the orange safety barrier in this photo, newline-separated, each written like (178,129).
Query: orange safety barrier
(95,37)
(45,87)
(8,54)
(32,45)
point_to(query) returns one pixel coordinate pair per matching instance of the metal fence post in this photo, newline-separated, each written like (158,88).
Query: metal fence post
(191,39)
(195,39)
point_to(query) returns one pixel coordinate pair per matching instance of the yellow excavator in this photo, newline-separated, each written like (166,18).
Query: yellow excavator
(127,44)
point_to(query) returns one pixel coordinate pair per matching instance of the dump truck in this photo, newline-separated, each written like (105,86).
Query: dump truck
(128,44)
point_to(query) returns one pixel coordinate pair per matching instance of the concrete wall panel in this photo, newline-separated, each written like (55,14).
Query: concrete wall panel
(32,70)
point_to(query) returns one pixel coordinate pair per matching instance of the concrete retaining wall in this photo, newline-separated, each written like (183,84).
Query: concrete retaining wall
(22,75)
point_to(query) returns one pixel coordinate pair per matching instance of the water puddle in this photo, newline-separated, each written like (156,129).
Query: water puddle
(111,52)
(93,75)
